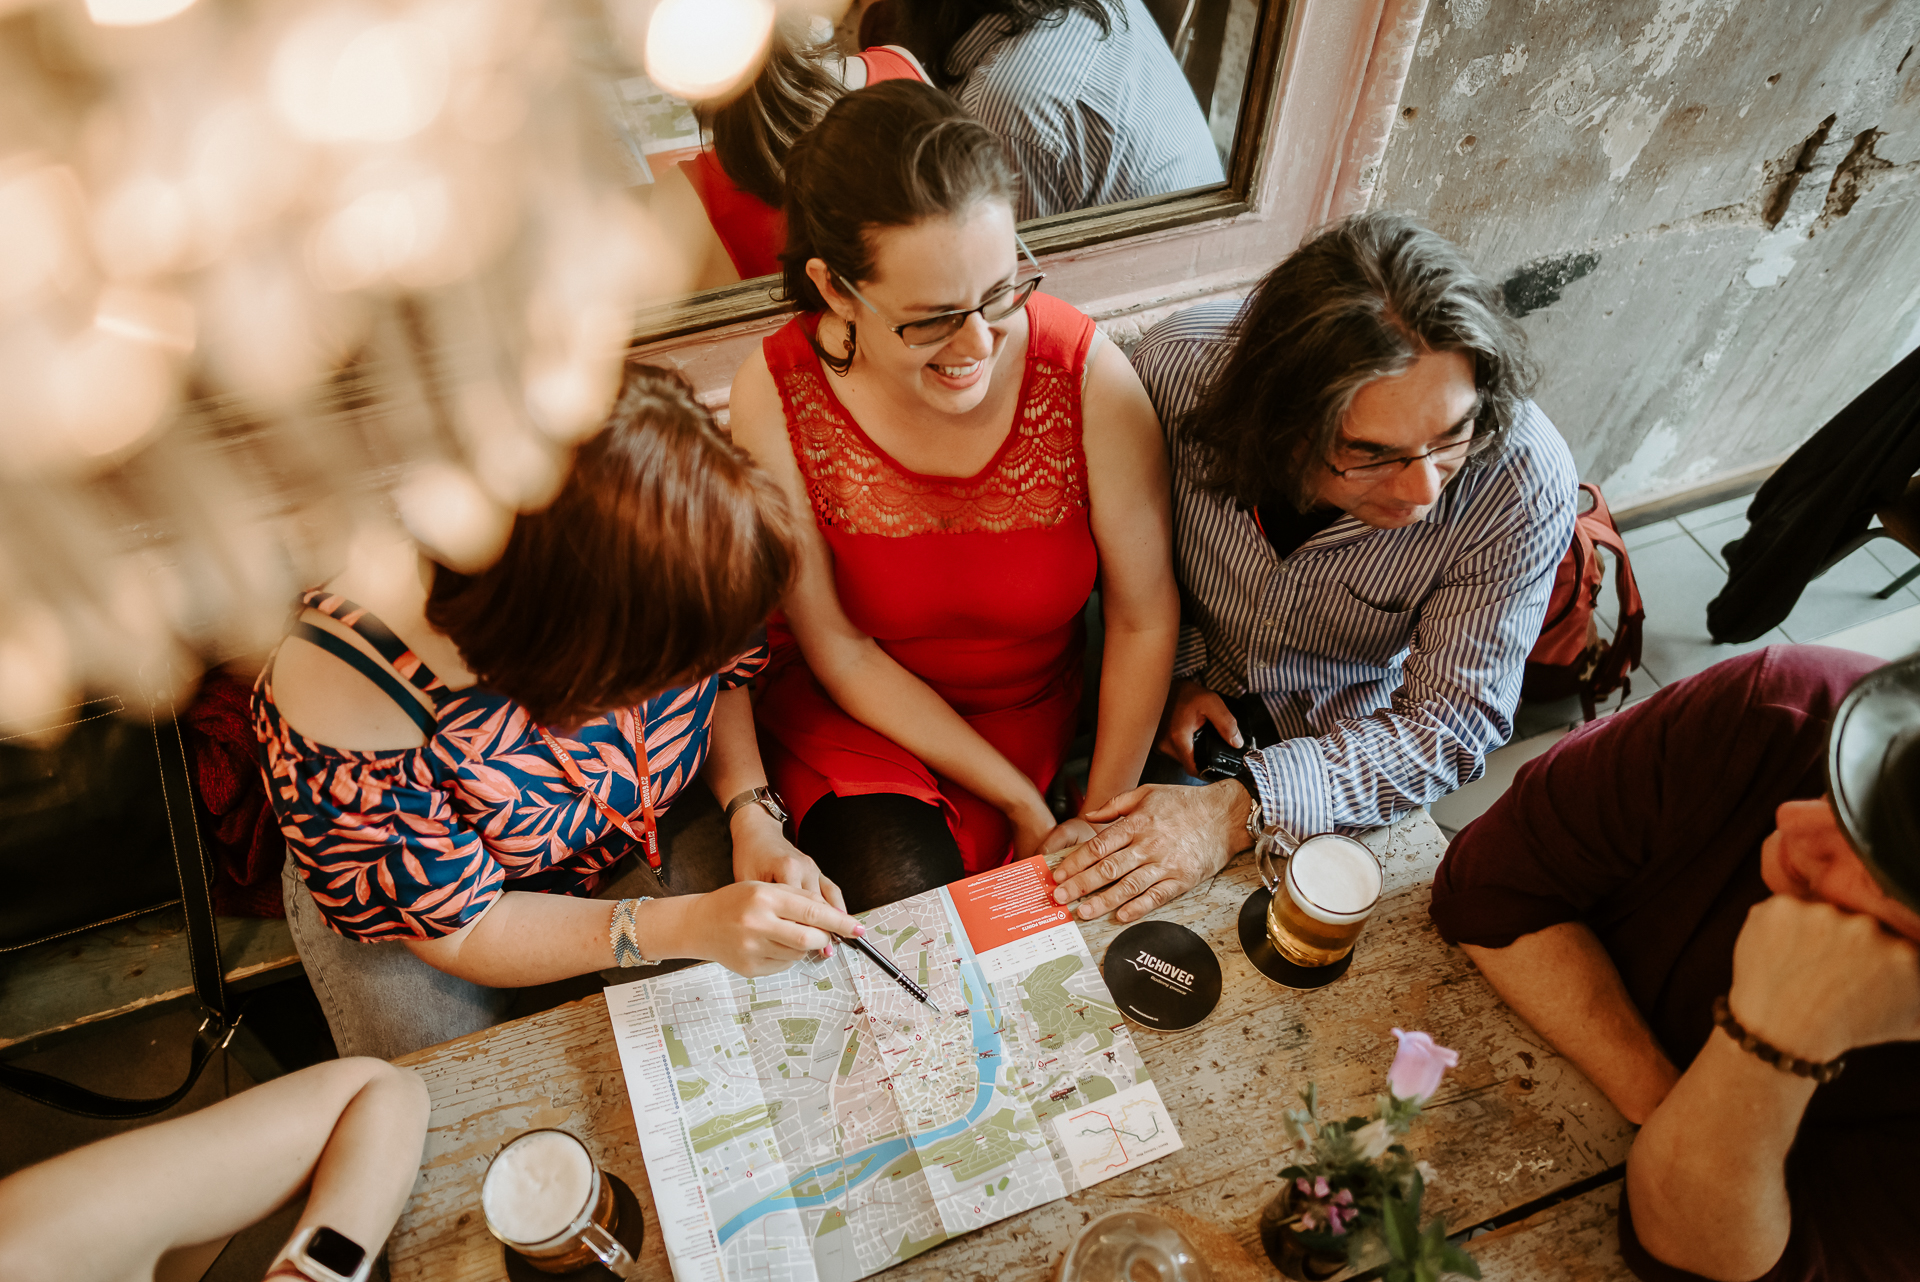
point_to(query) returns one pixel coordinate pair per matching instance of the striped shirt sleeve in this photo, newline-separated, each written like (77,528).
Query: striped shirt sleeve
(1390,660)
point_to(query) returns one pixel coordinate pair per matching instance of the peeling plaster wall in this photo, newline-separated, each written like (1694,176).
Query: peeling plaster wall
(1707,210)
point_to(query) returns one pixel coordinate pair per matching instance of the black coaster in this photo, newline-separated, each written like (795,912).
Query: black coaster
(1163,975)
(631,1231)
(1267,959)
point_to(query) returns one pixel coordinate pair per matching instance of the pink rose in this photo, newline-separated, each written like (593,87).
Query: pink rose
(1418,1066)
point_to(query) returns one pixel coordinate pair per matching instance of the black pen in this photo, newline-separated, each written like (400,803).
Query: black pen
(874,955)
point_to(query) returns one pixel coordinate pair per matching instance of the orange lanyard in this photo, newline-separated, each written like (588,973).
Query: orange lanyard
(648,839)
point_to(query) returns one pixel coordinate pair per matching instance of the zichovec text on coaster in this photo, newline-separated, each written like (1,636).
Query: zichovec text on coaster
(1162,975)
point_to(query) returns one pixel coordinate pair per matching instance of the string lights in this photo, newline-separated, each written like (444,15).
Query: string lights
(279,279)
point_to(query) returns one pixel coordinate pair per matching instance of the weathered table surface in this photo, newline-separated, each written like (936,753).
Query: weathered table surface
(1512,1124)
(1577,1240)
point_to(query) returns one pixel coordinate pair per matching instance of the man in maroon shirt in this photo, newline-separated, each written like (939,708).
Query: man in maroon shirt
(1685,849)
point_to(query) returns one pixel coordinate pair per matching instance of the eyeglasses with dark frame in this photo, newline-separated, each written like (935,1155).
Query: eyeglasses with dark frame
(1441,455)
(997,306)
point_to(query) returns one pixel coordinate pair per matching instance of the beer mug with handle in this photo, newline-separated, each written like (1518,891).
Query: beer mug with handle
(1324,888)
(546,1200)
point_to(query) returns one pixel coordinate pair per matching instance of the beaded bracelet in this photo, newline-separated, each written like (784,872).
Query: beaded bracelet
(623,937)
(1768,1053)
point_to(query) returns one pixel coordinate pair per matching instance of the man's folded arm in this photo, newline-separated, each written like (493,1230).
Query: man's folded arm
(1461,684)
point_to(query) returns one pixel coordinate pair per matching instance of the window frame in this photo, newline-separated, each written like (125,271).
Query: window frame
(1324,92)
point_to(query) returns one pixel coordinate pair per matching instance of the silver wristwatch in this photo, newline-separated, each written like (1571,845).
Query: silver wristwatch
(766,798)
(1259,830)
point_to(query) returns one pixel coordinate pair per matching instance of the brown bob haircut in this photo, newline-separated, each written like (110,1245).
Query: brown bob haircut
(658,561)
(1362,299)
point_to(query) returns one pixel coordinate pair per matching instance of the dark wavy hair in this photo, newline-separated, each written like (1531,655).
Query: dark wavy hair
(931,28)
(657,562)
(753,133)
(888,155)
(1362,299)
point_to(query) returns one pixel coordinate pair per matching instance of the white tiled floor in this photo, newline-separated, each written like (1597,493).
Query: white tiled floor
(1678,566)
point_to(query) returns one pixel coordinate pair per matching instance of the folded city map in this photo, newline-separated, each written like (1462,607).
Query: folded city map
(820,1125)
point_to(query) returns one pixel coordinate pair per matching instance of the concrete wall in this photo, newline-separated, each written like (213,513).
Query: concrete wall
(1707,210)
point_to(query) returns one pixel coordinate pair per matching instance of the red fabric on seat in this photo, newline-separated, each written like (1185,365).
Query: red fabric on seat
(243,836)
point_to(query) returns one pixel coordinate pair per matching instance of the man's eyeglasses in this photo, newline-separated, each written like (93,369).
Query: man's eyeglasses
(998,305)
(1442,456)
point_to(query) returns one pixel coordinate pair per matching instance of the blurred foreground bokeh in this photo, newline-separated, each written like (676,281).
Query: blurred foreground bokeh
(278,278)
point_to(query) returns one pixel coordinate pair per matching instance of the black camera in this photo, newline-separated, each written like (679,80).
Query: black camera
(1214,757)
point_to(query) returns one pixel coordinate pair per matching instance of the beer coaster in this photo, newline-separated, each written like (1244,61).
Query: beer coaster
(1267,959)
(1162,975)
(630,1227)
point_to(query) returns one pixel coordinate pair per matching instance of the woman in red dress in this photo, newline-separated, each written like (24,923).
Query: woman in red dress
(976,458)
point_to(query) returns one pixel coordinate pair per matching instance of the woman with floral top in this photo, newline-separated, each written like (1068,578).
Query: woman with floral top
(461,763)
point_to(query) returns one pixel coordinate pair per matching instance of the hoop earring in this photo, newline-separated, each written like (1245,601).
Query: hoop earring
(851,332)
(840,365)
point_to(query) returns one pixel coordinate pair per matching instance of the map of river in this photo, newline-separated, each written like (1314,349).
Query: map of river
(820,1125)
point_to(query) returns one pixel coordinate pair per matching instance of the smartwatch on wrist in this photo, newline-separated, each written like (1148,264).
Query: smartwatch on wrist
(322,1254)
(766,798)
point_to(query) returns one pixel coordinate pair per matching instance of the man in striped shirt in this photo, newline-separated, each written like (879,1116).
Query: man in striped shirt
(1086,93)
(1368,512)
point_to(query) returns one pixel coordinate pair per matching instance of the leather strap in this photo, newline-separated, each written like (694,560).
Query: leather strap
(213,1035)
(203,949)
(190,861)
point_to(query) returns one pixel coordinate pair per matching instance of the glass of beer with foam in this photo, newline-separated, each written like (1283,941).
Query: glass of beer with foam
(546,1200)
(1322,896)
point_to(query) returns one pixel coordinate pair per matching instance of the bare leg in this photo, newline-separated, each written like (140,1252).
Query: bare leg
(352,1128)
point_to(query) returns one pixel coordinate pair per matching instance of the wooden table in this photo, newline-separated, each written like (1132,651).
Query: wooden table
(1513,1124)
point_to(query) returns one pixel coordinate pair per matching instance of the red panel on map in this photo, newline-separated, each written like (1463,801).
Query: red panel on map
(1008,903)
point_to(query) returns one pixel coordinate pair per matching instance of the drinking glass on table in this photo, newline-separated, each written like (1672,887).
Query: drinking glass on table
(547,1201)
(1323,894)
(1132,1246)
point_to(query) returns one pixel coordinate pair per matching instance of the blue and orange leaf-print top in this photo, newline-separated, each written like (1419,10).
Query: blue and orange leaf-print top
(414,843)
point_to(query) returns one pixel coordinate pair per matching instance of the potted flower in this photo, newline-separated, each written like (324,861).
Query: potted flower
(1356,1193)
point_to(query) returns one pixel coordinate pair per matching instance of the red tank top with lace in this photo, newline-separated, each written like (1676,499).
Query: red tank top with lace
(974,584)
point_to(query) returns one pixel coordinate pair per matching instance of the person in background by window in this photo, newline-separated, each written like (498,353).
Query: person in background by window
(349,1132)
(462,762)
(1085,92)
(741,181)
(975,456)
(1368,513)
